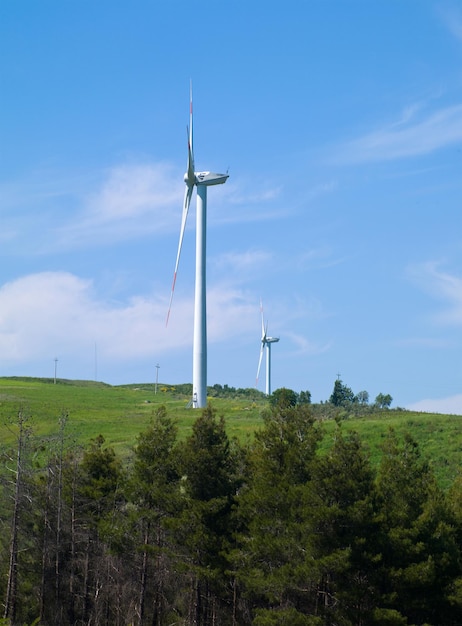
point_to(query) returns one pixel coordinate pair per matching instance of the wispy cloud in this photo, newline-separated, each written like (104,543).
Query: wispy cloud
(422,342)
(236,263)
(443,286)
(132,200)
(123,202)
(451,405)
(410,135)
(303,345)
(243,201)
(51,210)
(252,191)
(319,258)
(452,17)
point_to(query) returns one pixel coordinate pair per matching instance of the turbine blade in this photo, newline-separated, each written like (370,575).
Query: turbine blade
(259,363)
(187,201)
(190,178)
(263,329)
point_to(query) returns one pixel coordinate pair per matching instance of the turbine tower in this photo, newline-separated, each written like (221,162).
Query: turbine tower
(265,342)
(200,180)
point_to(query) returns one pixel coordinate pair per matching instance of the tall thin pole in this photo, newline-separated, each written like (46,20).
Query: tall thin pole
(199,399)
(268,368)
(157,378)
(56,366)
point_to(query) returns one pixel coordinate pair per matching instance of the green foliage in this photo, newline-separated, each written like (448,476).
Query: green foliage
(298,527)
(341,501)
(421,553)
(287,397)
(283,398)
(121,413)
(207,460)
(304,397)
(362,397)
(101,479)
(284,617)
(271,556)
(342,396)
(388,617)
(154,461)
(383,401)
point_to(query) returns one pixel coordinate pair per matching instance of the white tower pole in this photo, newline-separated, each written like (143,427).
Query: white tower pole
(268,368)
(200,304)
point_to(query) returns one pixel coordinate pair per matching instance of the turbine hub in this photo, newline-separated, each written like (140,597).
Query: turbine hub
(187,179)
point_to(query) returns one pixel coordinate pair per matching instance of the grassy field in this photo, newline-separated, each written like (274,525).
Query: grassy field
(120,413)
(117,413)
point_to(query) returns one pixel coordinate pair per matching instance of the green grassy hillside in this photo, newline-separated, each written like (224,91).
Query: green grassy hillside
(119,413)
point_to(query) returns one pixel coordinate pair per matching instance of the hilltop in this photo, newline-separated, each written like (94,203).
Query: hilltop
(120,413)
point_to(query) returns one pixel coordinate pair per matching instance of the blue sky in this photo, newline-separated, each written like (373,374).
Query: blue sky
(341,125)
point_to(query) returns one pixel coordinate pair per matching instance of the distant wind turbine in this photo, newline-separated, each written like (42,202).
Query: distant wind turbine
(200,180)
(265,342)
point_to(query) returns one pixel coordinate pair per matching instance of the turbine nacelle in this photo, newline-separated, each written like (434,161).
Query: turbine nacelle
(210,178)
(204,178)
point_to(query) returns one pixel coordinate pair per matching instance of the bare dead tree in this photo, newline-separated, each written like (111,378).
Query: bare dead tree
(18,472)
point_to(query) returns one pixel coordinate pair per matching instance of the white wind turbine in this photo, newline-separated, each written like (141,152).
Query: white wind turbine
(265,342)
(200,180)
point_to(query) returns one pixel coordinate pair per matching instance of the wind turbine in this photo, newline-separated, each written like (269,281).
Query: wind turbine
(200,180)
(265,342)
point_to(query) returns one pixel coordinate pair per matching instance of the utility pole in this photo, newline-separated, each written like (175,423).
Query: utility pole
(56,366)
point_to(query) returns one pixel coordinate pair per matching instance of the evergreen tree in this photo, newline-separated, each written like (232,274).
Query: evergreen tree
(209,467)
(342,395)
(343,526)
(420,550)
(273,559)
(96,490)
(154,490)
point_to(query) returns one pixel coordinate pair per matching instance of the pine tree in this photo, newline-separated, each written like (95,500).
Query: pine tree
(272,560)
(209,467)
(421,555)
(343,527)
(155,490)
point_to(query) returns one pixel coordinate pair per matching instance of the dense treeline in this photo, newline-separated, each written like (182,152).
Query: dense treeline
(207,531)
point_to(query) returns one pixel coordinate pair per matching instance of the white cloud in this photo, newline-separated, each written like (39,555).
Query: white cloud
(133,199)
(131,191)
(442,285)
(70,211)
(59,312)
(407,137)
(53,313)
(451,405)
(231,313)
